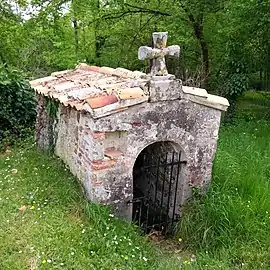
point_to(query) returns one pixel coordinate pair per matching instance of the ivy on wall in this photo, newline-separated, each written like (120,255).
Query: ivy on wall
(51,107)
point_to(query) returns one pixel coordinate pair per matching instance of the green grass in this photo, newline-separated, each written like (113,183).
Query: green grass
(254,106)
(229,228)
(59,228)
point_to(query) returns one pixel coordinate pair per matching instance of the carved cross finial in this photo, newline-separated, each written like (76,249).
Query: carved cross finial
(158,53)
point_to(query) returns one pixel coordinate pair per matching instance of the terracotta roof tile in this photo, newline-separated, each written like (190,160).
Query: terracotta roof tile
(41,89)
(107,70)
(94,68)
(110,88)
(61,73)
(79,106)
(51,83)
(64,86)
(122,72)
(131,93)
(86,107)
(42,80)
(62,98)
(99,91)
(102,101)
(84,66)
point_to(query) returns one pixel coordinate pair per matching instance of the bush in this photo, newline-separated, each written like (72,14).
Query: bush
(17,106)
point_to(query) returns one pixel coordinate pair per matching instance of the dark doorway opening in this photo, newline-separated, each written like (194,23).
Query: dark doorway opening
(156,178)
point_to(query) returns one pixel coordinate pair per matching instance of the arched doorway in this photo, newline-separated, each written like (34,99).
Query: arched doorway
(156,183)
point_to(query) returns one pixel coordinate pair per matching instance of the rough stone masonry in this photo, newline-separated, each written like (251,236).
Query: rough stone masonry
(106,117)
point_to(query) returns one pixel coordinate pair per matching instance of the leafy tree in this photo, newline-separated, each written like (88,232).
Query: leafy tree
(225,44)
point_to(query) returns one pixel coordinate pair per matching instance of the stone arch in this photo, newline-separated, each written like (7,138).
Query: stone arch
(158,175)
(177,146)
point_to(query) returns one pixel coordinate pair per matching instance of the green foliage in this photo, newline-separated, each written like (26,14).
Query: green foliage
(17,104)
(223,43)
(51,107)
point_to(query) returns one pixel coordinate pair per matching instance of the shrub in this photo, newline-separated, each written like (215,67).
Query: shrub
(17,106)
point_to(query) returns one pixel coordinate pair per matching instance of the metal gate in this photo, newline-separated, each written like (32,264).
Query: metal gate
(156,185)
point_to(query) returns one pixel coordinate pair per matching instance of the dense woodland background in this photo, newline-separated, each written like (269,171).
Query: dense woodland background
(225,44)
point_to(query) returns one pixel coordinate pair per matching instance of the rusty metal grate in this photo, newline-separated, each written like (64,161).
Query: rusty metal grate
(156,185)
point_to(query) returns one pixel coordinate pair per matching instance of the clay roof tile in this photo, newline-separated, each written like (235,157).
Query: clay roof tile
(97,90)
(131,93)
(102,101)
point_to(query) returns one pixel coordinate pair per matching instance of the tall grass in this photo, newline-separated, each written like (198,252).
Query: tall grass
(232,222)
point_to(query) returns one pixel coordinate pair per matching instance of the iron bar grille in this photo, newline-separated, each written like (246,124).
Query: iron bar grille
(156,191)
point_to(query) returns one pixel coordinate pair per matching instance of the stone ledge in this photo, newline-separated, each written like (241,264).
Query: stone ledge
(200,92)
(213,101)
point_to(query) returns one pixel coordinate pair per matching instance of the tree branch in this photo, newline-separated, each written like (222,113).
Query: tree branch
(198,29)
(129,12)
(150,11)
(141,28)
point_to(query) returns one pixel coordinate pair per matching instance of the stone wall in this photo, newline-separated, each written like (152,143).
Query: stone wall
(193,127)
(102,152)
(45,125)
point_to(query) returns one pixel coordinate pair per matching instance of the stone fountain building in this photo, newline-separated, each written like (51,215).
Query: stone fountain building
(127,135)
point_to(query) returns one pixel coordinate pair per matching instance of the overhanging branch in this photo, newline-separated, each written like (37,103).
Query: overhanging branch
(130,11)
(150,11)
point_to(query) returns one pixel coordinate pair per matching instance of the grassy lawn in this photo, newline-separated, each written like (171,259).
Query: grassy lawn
(58,228)
(45,223)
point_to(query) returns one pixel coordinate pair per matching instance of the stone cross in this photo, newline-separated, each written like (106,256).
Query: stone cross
(158,53)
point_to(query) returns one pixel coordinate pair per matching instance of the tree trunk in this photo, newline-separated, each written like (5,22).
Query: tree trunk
(205,58)
(197,24)
(199,34)
(76,36)
(2,57)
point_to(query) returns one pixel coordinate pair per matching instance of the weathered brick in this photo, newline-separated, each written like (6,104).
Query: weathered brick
(112,153)
(136,124)
(102,164)
(99,136)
